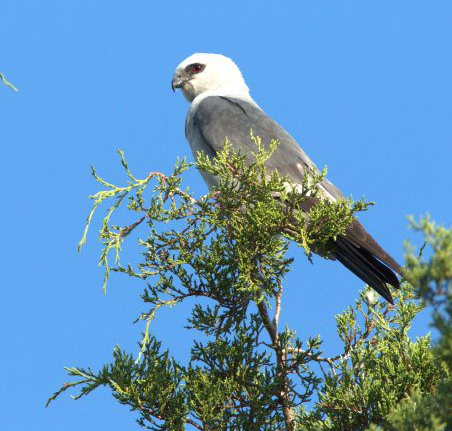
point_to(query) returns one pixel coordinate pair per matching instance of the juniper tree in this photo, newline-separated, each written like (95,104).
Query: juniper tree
(228,251)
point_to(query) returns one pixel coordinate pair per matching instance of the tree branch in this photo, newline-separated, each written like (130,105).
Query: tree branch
(280,359)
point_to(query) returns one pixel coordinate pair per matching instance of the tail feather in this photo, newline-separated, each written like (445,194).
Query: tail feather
(358,236)
(366,266)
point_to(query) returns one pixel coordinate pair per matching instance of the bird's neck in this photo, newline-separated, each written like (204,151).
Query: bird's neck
(236,92)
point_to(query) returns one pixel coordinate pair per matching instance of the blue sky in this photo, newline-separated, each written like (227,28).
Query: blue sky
(364,86)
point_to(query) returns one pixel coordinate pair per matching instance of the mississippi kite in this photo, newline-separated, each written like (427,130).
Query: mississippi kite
(221,106)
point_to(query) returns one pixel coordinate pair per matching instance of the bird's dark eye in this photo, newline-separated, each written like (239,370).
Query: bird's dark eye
(195,68)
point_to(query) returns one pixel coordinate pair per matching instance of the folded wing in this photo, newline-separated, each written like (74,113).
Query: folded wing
(218,117)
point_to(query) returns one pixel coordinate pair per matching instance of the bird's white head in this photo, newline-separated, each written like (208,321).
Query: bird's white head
(212,73)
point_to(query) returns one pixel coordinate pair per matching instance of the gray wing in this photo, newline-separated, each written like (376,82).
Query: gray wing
(218,117)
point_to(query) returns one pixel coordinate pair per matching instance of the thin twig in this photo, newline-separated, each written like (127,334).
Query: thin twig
(280,359)
(277,309)
(263,312)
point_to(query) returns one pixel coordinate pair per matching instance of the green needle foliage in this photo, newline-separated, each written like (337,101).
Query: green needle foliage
(228,251)
(7,83)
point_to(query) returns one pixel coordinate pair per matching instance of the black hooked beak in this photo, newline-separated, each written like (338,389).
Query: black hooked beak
(177,82)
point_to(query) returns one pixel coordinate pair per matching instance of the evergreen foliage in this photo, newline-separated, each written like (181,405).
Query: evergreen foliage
(228,250)
(7,83)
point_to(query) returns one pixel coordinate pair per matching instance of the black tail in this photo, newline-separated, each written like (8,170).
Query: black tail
(366,266)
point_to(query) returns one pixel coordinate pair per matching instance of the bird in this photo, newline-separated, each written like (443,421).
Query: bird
(221,107)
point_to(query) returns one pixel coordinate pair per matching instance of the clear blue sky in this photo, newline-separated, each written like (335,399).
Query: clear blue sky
(365,87)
